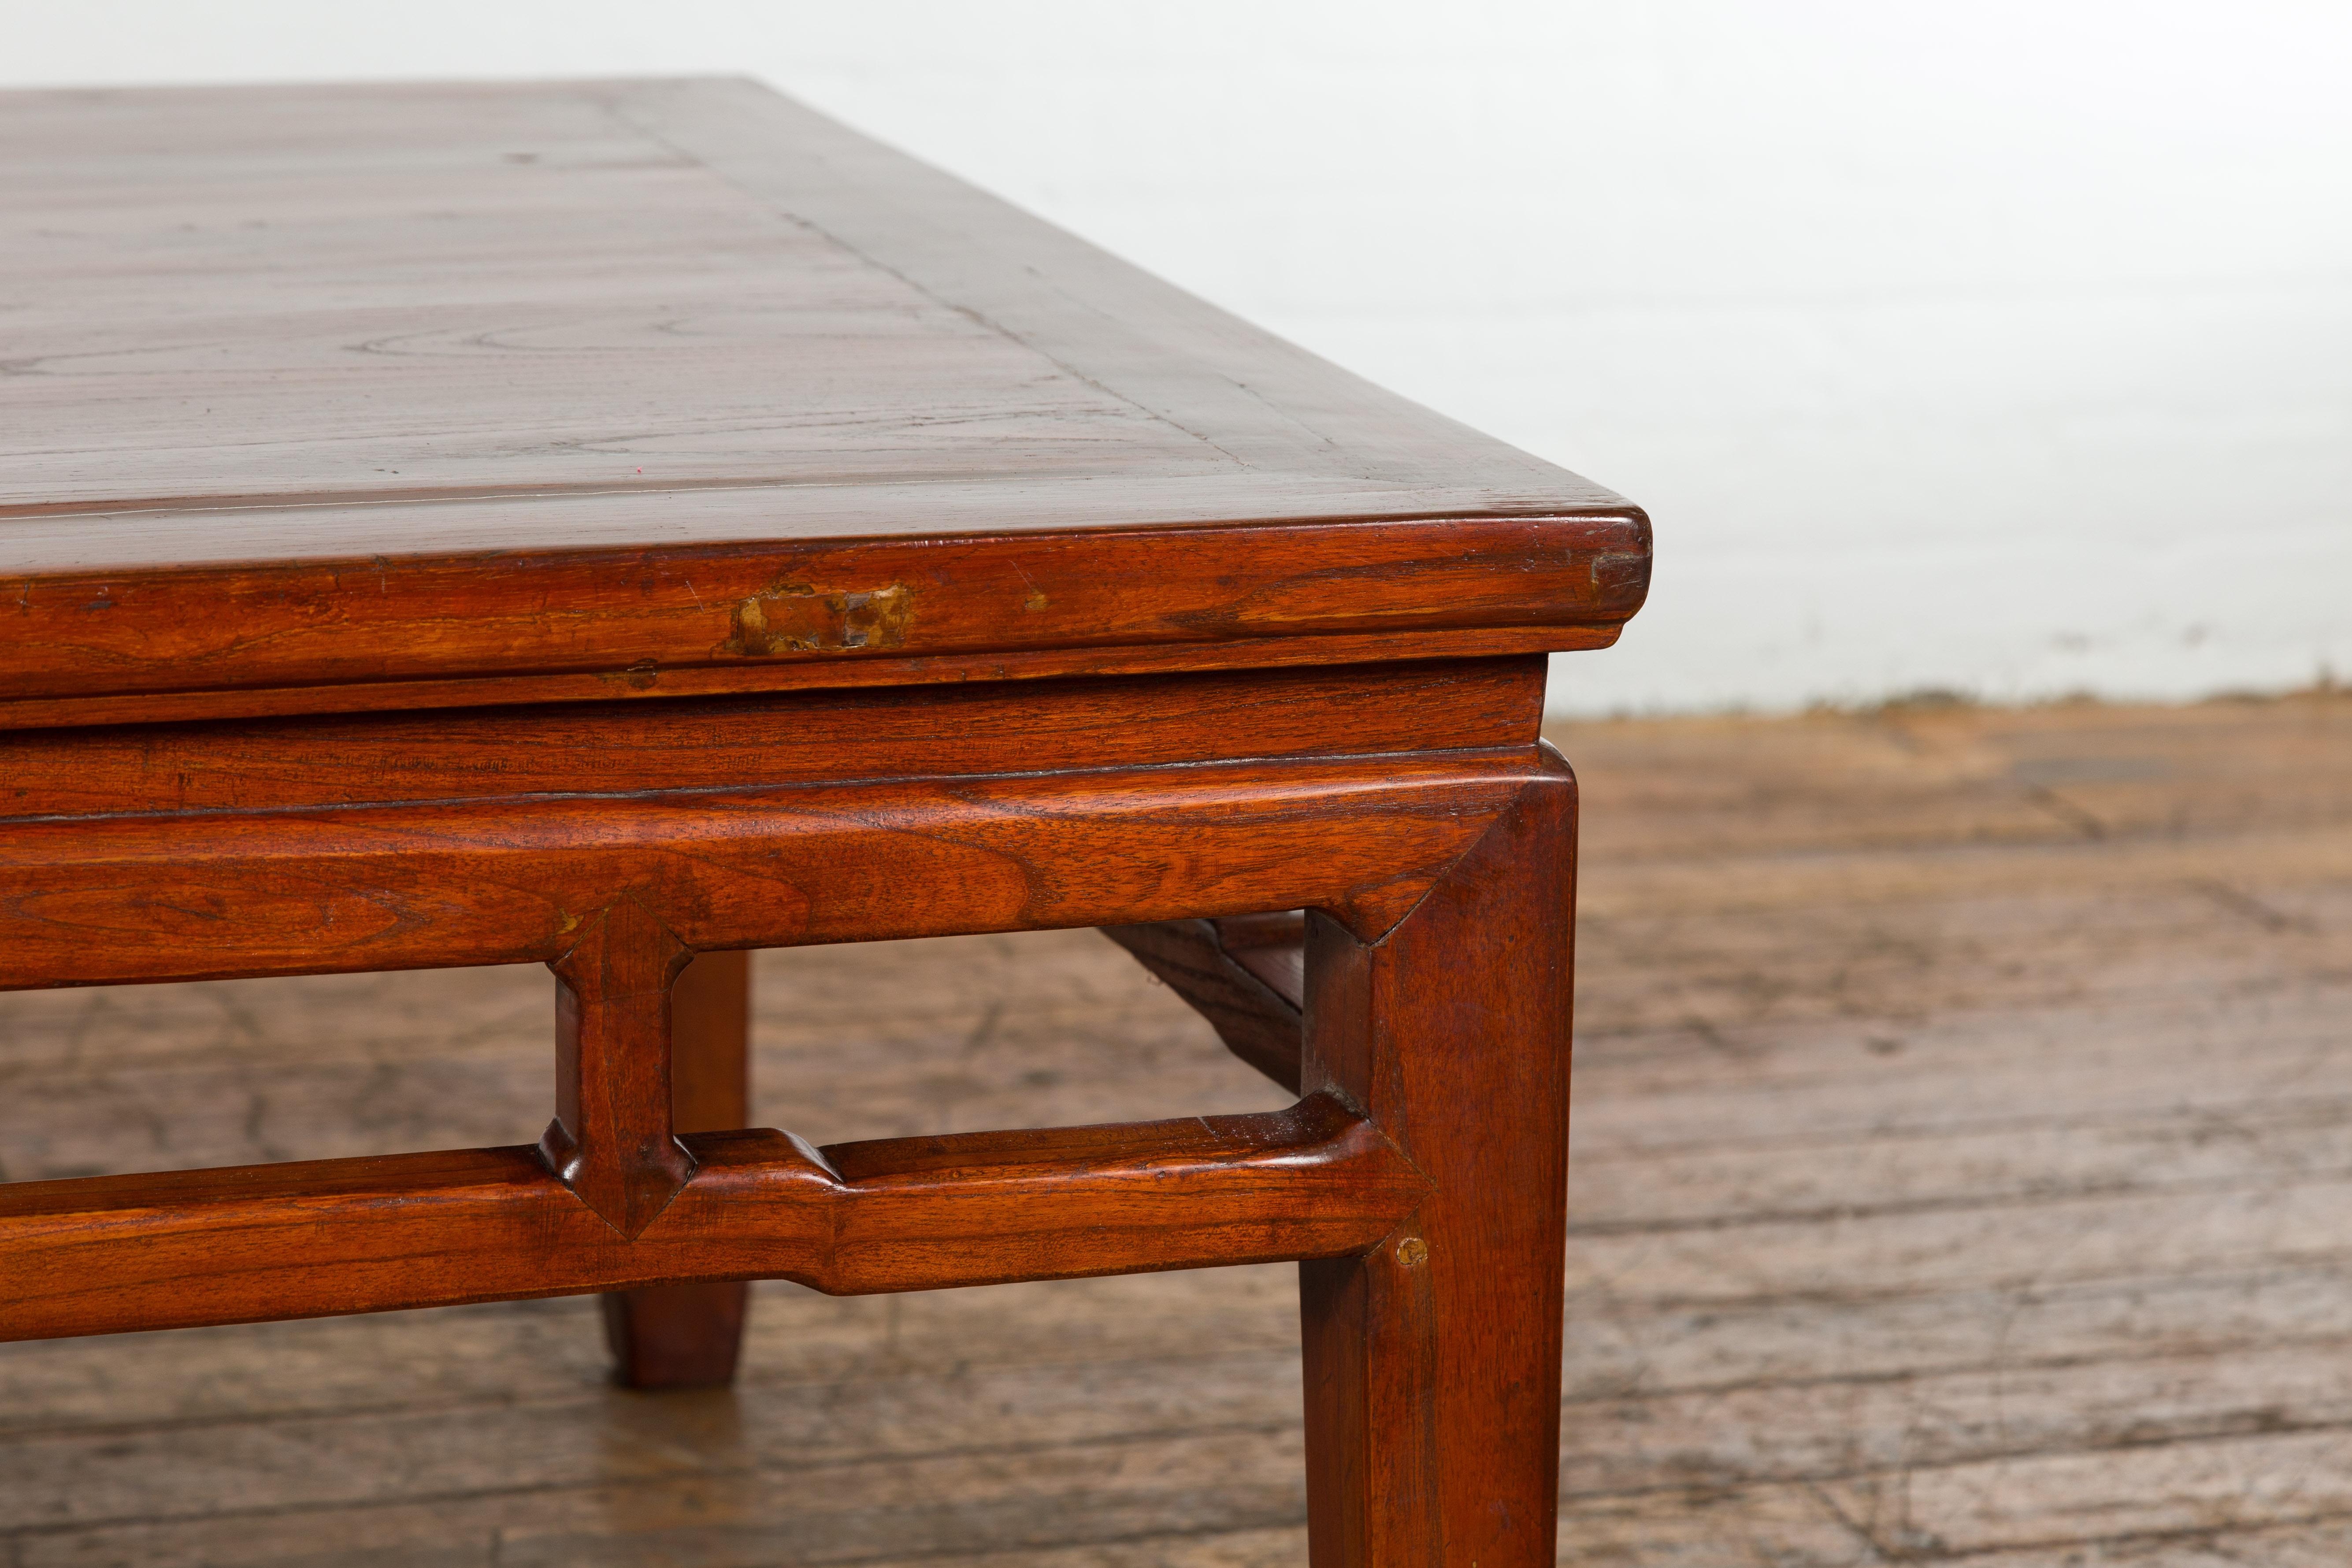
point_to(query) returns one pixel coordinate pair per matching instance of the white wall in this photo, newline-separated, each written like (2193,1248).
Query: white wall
(2005,347)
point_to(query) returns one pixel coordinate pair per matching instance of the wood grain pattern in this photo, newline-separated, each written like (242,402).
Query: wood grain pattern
(631,453)
(613,1142)
(744,741)
(1259,1023)
(139,897)
(691,1336)
(710,1044)
(970,607)
(640,682)
(1272,947)
(578,390)
(529,246)
(110,1254)
(1431,1362)
(1950,1186)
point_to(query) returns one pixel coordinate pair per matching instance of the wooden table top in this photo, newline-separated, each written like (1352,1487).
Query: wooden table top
(351,397)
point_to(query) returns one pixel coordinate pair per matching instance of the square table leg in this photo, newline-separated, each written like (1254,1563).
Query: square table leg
(690,1336)
(1433,1365)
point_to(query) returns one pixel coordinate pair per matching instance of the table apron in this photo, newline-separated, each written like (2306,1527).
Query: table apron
(190,896)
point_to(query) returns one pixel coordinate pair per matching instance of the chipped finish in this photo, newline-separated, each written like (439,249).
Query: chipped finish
(935,440)
(592,625)
(830,421)
(800,619)
(1622,574)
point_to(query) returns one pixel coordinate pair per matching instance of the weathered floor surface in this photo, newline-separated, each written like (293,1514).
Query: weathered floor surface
(1963,1173)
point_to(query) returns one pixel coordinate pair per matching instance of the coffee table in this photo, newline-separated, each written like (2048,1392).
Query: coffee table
(623,525)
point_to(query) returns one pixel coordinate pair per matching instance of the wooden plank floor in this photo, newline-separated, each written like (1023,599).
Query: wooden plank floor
(1963,1173)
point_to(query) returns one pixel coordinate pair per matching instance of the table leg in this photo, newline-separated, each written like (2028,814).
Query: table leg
(689,1336)
(1432,1363)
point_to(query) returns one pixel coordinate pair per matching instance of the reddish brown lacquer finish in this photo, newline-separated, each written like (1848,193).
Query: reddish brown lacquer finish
(623,525)
(105,1253)
(691,1336)
(1432,1360)
(1235,973)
